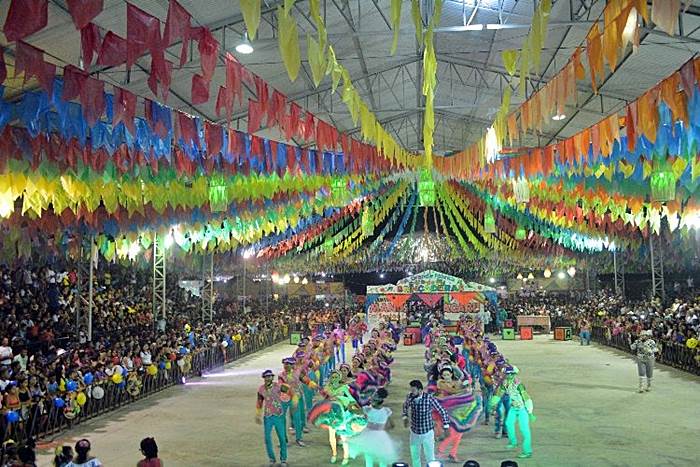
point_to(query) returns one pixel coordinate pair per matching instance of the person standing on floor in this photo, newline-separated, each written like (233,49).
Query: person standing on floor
(421,405)
(520,411)
(646,350)
(293,401)
(270,414)
(585,334)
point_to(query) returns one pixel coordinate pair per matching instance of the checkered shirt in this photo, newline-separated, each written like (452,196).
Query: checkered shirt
(422,412)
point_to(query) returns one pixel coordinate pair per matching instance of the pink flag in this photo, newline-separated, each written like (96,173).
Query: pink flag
(84,11)
(430,299)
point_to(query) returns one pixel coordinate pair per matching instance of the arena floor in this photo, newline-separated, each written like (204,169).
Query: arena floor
(588,414)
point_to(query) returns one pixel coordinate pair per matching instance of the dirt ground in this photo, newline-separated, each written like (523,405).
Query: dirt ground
(588,414)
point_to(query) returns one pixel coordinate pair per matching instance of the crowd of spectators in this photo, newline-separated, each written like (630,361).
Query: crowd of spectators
(618,321)
(45,364)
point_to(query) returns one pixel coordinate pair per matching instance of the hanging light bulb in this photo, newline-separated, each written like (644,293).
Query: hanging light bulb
(547,273)
(520,277)
(245,47)
(571,271)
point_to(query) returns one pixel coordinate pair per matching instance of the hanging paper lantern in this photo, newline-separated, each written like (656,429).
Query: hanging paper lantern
(217,194)
(520,233)
(426,188)
(521,189)
(328,246)
(547,273)
(663,186)
(367,222)
(489,221)
(339,188)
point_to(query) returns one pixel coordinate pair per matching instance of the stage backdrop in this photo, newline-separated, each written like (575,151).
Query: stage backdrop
(387,301)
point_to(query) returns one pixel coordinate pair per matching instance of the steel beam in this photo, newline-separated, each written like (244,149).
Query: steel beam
(84,300)
(158,302)
(207,292)
(619,276)
(658,288)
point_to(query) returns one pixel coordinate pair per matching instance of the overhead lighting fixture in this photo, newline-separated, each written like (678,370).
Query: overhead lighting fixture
(558,117)
(492,280)
(561,275)
(530,276)
(245,47)
(304,281)
(382,276)
(547,273)
(571,271)
(296,279)
(520,277)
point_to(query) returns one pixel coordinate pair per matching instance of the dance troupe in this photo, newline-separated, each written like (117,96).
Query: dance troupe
(461,386)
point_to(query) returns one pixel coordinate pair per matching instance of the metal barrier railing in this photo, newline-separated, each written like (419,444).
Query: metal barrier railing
(672,354)
(42,418)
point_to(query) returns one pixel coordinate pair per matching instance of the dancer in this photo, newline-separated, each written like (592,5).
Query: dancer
(293,401)
(339,334)
(269,412)
(374,442)
(521,408)
(646,350)
(336,390)
(421,406)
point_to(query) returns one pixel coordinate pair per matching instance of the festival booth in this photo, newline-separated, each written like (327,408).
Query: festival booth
(453,295)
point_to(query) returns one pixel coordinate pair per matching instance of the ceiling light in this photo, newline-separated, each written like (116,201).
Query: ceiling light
(245,47)
(571,271)
(547,273)
(530,276)
(492,280)
(561,275)
(305,281)
(296,279)
(520,277)
(382,276)
(558,117)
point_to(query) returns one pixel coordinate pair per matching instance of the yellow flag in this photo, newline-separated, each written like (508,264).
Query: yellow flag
(510,59)
(251,15)
(695,169)
(679,166)
(395,23)
(289,43)
(524,68)
(417,21)
(316,59)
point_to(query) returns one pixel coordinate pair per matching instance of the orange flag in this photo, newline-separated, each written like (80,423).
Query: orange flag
(594,52)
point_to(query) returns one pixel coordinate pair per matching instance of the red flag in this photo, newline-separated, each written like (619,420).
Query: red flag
(188,129)
(200,90)
(30,60)
(73,82)
(89,42)
(113,50)
(208,52)
(233,76)
(224,101)
(92,98)
(24,18)
(177,26)
(142,33)
(84,11)
(124,109)
(255,114)
(213,135)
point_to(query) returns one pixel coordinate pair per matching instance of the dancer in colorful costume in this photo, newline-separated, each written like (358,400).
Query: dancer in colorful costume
(340,337)
(293,402)
(374,442)
(269,412)
(521,409)
(335,414)
(463,409)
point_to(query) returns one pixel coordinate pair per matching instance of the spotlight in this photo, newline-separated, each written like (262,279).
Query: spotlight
(520,277)
(435,464)
(296,279)
(305,281)
(492,280)
(530,276)
(547,273)
(558,117)
(561,275)
(571,271)
(382,275)
(245,47)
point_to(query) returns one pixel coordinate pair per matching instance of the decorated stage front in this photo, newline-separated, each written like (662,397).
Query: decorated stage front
(453,295)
